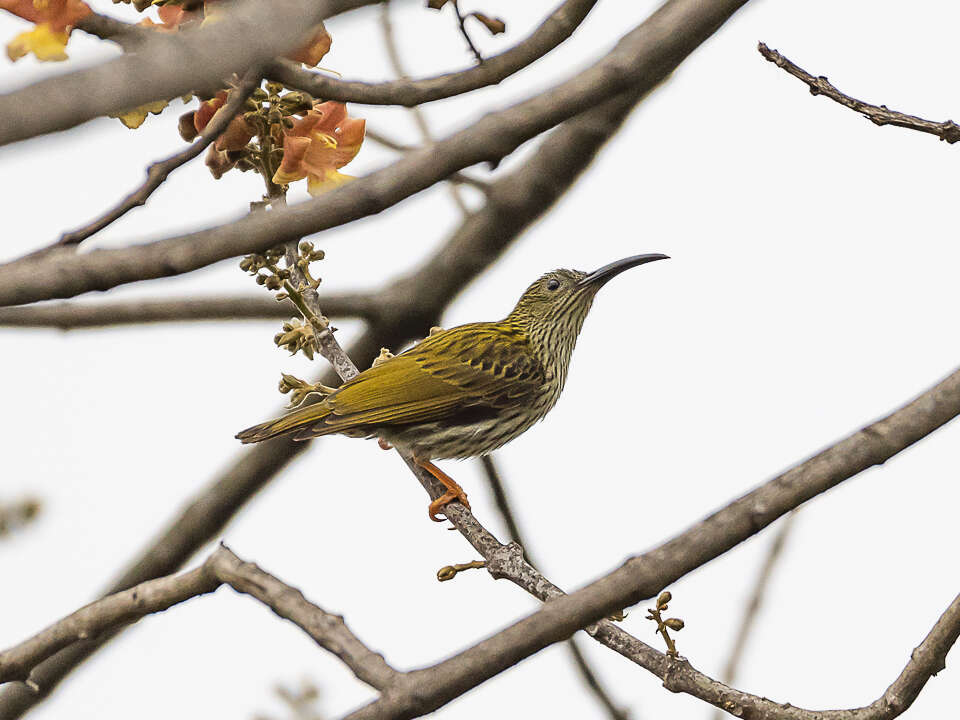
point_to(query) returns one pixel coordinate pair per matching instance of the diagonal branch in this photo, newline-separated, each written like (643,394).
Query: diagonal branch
(877,114)
(73,315)
(639,62)
(556,28)
(221,567)
(329,631)
(159,170)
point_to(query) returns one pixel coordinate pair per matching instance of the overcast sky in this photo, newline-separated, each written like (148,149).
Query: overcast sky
(813,287)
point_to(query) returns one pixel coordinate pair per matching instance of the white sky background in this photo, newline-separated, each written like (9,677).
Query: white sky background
(812,288)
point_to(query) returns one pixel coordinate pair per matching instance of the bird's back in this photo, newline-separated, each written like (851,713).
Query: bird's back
(460,392)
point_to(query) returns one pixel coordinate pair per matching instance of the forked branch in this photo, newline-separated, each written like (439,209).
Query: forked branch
(221,567)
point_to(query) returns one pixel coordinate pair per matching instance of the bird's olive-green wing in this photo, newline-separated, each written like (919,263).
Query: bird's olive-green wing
(481,364)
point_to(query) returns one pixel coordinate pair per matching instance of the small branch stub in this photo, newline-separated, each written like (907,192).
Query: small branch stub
(449,572)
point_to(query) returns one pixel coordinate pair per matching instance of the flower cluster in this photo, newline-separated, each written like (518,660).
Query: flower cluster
(285,136)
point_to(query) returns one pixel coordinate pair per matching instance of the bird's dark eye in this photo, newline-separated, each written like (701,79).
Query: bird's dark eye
(553,284)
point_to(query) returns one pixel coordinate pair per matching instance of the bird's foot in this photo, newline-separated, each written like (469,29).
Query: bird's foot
(384,445)
(454,492)
(448,497)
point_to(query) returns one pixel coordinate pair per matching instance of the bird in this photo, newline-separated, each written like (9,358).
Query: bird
(464,391)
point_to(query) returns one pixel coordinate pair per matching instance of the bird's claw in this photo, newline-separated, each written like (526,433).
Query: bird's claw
(448,497)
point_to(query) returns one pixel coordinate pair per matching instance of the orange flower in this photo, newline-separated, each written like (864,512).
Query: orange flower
(54,20)
(238,132)
(318,145)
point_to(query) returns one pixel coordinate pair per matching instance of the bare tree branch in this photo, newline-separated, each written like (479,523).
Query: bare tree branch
(221,567)
(74,315)
(513,531)
(638,62)
(165,66)
(557,27)
(461,22)
(105,614)
(329,631)
(877,114)
(159,170)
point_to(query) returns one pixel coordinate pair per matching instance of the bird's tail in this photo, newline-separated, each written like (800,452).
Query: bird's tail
(304,417)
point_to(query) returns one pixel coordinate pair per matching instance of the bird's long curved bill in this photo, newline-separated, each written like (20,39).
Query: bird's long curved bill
(601,276)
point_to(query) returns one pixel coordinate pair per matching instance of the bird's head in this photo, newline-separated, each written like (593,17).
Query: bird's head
(562,298)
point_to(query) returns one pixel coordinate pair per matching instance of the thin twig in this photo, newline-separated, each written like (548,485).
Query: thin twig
(159,170)
(74,315)
(463,31)
(877,114)
(588,674)
(460,178)
(752,610)
(419,117)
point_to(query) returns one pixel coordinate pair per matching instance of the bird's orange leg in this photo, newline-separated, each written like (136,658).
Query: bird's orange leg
(384,445)
(454,491)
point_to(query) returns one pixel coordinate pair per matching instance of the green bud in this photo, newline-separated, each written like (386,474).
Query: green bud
(675,624)
(664,598)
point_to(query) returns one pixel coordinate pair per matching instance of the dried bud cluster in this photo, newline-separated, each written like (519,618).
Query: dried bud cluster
(300,389)
(297,336)
(272,270)
(675,624)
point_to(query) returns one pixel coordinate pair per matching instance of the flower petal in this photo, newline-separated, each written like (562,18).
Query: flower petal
(47,44)
(329,180)
(291,168)
(134,118)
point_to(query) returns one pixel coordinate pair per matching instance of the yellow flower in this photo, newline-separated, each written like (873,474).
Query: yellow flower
(46,44)
(54,20)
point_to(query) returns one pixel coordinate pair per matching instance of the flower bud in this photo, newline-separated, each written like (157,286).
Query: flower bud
(186,126)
